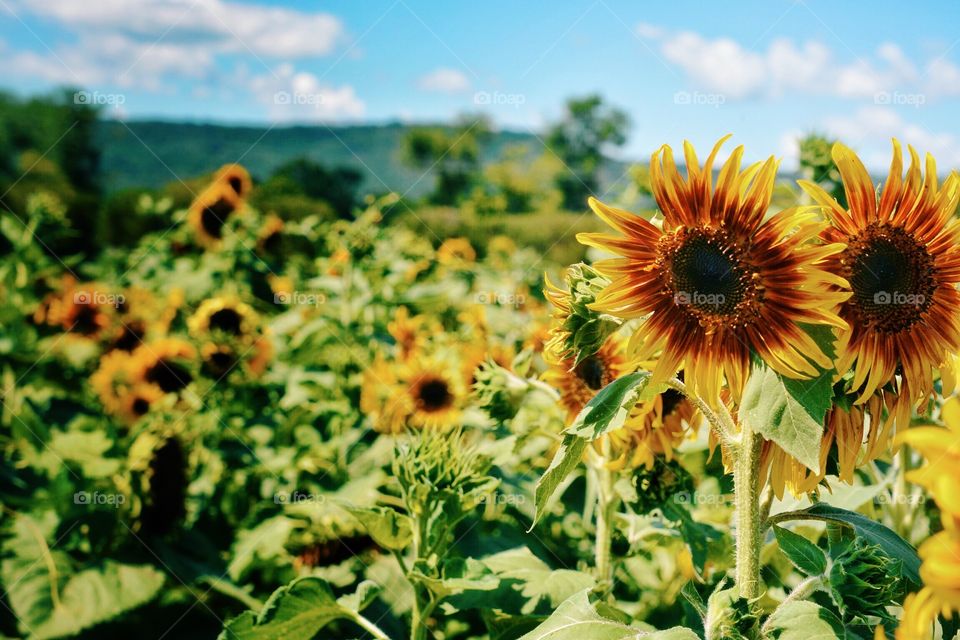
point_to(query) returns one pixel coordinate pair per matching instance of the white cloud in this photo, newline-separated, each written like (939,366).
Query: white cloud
(870,129)
(300,96)
(725,66)
(444,80)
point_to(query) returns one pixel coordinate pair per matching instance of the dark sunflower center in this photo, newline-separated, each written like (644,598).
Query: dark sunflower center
(892,278)
(131,337)
(226,320)
(671,399)
(434,394)
(140,406)
(86,319)
(220,362)
(236,184)
(168,375)
(707,275)
(590,371)
(214,216)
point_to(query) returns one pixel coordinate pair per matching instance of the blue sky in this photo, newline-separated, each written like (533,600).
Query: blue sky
(765,71)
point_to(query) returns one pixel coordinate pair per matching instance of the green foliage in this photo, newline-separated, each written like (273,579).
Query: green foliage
(588,128)
(805,556)
(816,165)
(453,155)
(802,620)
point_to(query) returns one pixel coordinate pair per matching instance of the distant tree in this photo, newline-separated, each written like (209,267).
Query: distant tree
(337,186)
(816,165)
(453,154)
(588,128)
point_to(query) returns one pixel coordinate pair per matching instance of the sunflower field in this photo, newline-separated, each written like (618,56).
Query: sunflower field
(735,419)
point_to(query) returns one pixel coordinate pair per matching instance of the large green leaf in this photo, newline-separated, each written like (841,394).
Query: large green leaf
(606,412)
(52,598)
(297,611)
(804,620)
(577,619)
(788,412)
(805,556)
(521,571)
(874,532)
(388,528)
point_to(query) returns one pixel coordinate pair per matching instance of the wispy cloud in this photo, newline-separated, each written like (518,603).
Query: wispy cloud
(444,80)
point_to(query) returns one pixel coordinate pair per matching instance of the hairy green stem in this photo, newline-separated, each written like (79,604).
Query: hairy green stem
(606,511)
(746,483)
(368,626)
(800,592)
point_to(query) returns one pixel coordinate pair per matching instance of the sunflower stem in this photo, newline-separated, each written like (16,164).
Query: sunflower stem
(746,483)
(722,424)
(607,504)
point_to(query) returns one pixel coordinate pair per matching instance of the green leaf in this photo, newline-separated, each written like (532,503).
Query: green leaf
(697,535)
(53,599)
(576,619)
(459,575)
(788,412)
(521,571)
(804,620)
(367,591)
(566,459)
(388,528)
(297,611)
(805,556)
(608,410)
(870,530)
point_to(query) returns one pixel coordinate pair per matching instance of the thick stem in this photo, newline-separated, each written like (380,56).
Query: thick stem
(370,628)
(746,482)
(606,511)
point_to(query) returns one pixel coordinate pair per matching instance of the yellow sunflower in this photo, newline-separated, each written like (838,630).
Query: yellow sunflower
(165,363)
(410,332)
(224,317)
(578,383)
(654,428)
(941,448)
(236,178)
(137,401)
(718,281)
(112,380)
(435,394)
(456,251)
(270,234)
(83,309)
(902,261)
(209,213)
(382,395)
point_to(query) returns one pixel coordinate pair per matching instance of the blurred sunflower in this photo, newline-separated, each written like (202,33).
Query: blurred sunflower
(381,397)
(165,363)
(140,314)
(717,282)
(236,178)
(209,213)
(941,448)
(902,261)
(410,331)
(434,393)
(654,428)
(456,251)
(270,235)
(137,401)
(112,380)
(224,317)
(83,309)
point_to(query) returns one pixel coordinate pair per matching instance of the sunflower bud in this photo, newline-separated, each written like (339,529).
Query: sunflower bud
(579,332)
(863,582)
(499,392)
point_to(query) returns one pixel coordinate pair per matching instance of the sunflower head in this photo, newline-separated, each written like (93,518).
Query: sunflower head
(653,430)
(456,251)
(166,363)
(270,235)
(83,309)
(209,212)
(579,382)
(902,263)
(434,393)
(236,178)
(224,318)
(717,281)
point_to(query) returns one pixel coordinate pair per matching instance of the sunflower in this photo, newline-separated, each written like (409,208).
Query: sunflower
(112,380)
(165,363)
(224,318)
(578,383)
(434,394)
(141,314)
(410,331)
(209,213)
(270,235)
(236,178)
(138,400)
(456,251)
(381,397)
(941,447)
(902,261)
(82,309)
(652,429)
(940,594)
(717,281)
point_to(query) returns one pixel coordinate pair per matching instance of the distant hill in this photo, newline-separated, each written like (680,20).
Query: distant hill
(151,154)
